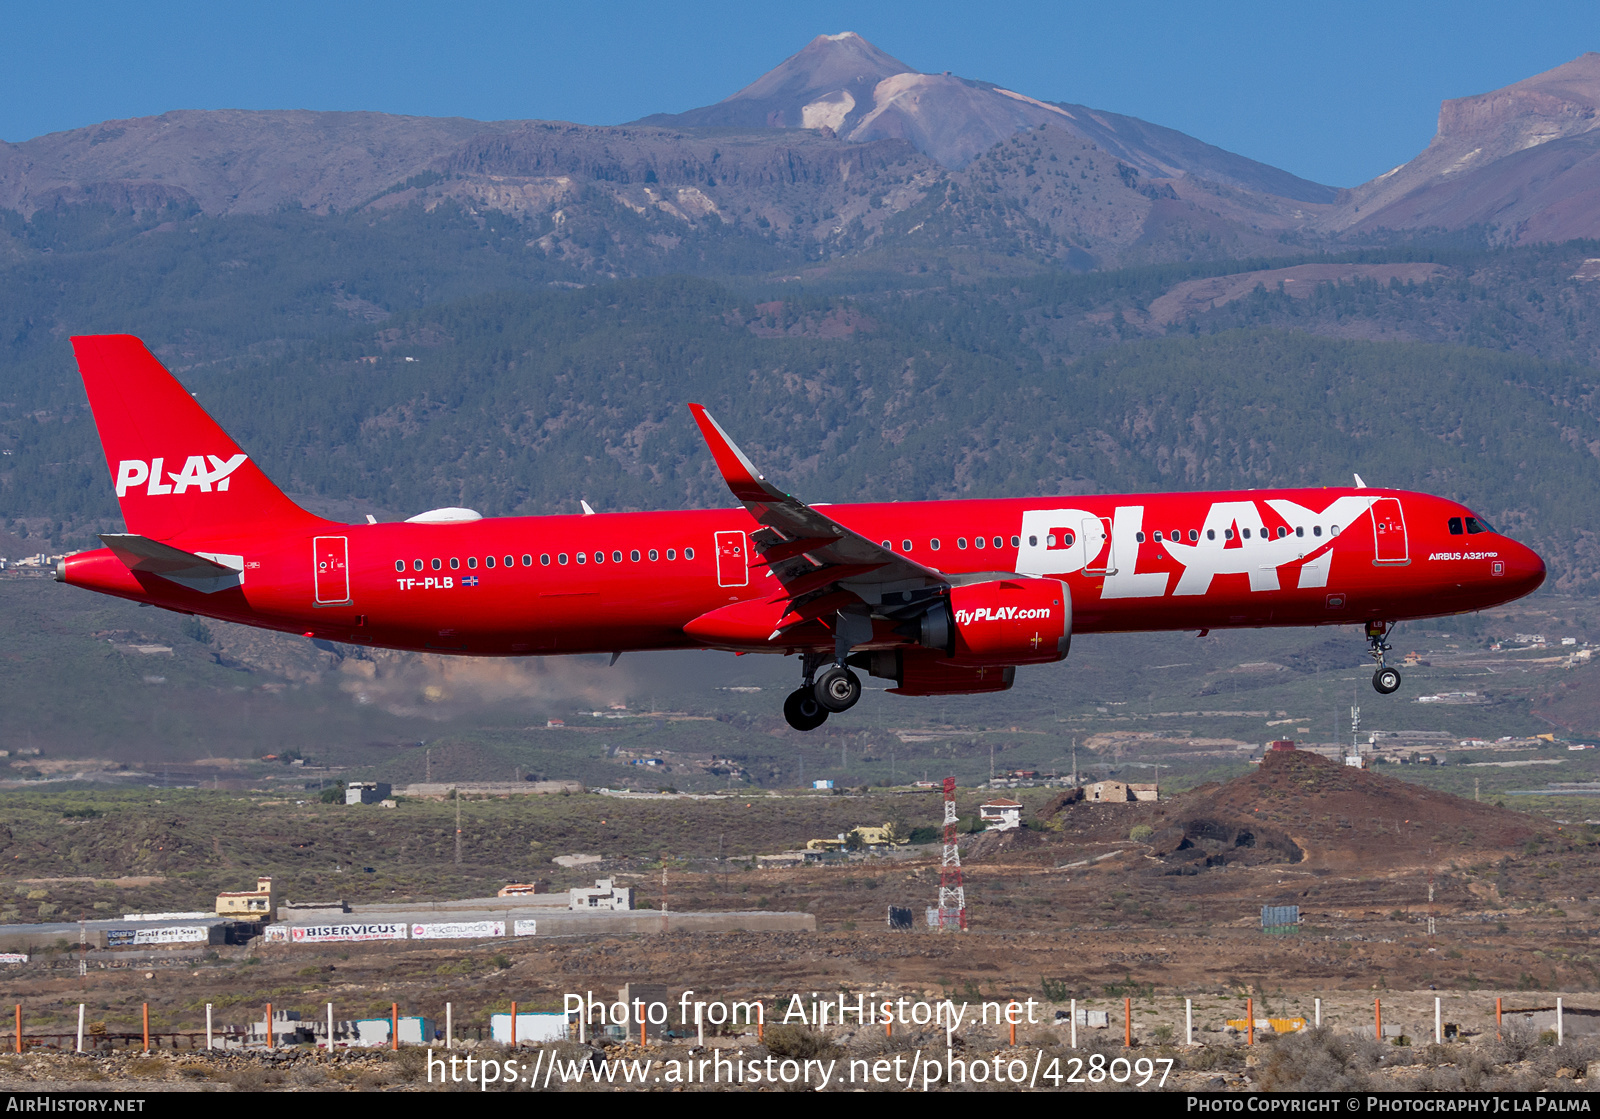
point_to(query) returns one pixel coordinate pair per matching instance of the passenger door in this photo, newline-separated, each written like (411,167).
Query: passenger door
(330,561)
(733,560)
(1389,544)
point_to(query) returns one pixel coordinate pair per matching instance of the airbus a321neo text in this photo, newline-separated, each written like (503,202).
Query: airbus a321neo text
(941,597)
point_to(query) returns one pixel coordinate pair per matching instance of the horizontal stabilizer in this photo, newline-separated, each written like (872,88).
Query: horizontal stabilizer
(207,574)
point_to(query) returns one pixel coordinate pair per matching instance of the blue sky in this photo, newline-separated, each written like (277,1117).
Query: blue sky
(1334,92)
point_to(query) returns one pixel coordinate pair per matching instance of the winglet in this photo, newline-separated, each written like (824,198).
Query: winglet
(746,482)
(1360,485)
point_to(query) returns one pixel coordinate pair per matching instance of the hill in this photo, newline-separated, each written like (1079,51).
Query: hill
(1304,807)
(1518,161)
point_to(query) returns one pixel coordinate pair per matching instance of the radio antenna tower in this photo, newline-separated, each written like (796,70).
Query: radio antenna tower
(952,894)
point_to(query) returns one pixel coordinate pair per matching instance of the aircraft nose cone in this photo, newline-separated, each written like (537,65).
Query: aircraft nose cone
(1524,569)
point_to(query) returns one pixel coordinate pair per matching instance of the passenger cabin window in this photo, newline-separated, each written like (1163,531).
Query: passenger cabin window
(1138,537)
(455,564)
(399,565)
(511,561)
(961,542)
(905,545)
(654,555)
(1194,534)
(934,543)
(581,557)
(437,565)
(634,555)
(1227,534)
(1316,530)
(472,562)
(488,561)
(977,541)
(599,557)
(1016,542)
(688,554)
(1299,530)
(527,561)
(561,558)
(418,564)
(544,558)
(616,557)
(1033,541)
(672,553)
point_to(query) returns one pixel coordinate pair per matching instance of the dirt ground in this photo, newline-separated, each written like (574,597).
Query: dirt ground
(1154,904)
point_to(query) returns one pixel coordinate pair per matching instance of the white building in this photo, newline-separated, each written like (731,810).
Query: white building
(1001,815)
(605,895)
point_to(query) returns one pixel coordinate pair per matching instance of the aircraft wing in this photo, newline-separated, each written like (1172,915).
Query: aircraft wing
(821,565)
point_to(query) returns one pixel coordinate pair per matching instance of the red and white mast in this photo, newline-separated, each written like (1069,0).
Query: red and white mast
(952,894)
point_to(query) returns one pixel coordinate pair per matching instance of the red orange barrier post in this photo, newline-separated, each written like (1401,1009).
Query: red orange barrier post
(1127,1023)
(1249,1021)
(394,1025)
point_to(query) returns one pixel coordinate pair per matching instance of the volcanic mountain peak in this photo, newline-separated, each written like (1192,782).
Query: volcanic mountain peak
(828,64)
(1558,102)
(847,85)
(1521,158)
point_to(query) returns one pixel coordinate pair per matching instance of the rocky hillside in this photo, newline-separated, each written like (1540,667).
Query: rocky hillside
(1523,160)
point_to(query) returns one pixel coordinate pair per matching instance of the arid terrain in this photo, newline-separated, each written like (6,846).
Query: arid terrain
(1067,908)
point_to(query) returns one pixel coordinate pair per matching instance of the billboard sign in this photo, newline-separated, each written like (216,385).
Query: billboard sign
(458,930)
(328,934)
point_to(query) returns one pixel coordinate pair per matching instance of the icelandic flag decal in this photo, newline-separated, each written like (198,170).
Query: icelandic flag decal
(469,581)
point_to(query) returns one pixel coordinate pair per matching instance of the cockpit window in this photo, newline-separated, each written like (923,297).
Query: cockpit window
(1476,525)
(1455,526)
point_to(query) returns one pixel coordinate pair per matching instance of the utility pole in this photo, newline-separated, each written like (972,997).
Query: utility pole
(663,891)
(458,825)
(427,762)
(1074,763)
(991,763)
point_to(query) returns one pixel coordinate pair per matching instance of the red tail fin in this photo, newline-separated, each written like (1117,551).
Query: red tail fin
(174,469)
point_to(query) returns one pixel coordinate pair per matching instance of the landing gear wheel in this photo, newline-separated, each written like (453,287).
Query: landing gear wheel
(1386,681)
(837,688)
(803,711)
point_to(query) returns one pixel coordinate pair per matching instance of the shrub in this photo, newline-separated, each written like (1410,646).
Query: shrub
(800,1042)
(1141,833)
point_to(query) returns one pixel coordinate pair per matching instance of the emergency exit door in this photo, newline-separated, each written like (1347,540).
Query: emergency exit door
(331,567)
(1098,556)
(733,561)
(1389,532)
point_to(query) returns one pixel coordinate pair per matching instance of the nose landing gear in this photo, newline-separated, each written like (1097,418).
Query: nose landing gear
(1386,680)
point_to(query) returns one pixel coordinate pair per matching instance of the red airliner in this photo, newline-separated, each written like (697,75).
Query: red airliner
(941,597)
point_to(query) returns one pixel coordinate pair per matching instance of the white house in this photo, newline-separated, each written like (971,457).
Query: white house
(1001,815)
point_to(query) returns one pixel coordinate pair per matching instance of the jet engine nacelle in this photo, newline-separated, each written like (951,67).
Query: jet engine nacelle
(1003,621)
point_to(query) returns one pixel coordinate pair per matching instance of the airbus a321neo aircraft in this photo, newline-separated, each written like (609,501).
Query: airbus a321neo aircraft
(941,597)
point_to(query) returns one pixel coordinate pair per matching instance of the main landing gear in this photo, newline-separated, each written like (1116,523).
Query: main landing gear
(1386,680)
(832,690)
